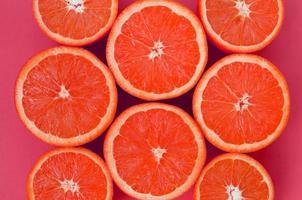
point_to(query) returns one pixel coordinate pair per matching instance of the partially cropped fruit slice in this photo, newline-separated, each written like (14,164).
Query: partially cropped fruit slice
(69,174)
(242,103)
(234,177)
(157,49)
(66,96)
(154,151)
(75,22)
(242,25)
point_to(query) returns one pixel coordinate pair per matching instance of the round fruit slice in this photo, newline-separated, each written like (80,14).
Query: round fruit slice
(69,174)
(234,177)
(242,103)
(66,96)
(242,25)
(75,22)
(157,49)
(154,151)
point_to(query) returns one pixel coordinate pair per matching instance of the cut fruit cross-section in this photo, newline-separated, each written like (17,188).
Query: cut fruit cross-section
(65,96)
(242,103)
(157,49)
(69,174)
(154,151)
(242,26)
(75,22)
(234,177)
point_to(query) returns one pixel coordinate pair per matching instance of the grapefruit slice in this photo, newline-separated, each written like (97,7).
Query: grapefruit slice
(65,96)
(234,177)
(69,174)
(75,22)
(154,151)
(242,25)
(242,103)
(157,49)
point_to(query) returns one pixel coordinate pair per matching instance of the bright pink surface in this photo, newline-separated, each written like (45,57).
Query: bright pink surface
(21,38)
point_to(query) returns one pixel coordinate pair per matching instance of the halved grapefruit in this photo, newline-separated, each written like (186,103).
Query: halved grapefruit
(66,96)
(69,174)
(157,49)
(154,151)
(234,177)
(242,103)
(75,22)
(242,26)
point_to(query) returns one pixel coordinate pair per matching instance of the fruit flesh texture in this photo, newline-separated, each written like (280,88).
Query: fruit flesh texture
(172,41)
(259,114)
(229,19)
(134,147)
(63,16)
(74,167)
(237,173)
(65,95)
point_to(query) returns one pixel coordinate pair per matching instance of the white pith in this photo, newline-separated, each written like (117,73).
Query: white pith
(158,153)
(76,5)
(157,50)
(64,92)
(70,186)
(243,8)
(234,193)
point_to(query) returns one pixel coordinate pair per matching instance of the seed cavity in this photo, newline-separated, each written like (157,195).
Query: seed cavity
(64,94)
(70,186)
(243,8)
(243,103)
(157,50)
(158,153)
(76,5)
(234,193)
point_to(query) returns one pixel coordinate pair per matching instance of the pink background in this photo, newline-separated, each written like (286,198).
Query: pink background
(20,38)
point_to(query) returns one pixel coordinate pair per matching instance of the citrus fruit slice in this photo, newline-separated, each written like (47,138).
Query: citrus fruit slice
(154,151)
(242,25)
(242,103)
(65,96)
(157,49)
(69,174)
(75,22)
(234,177)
